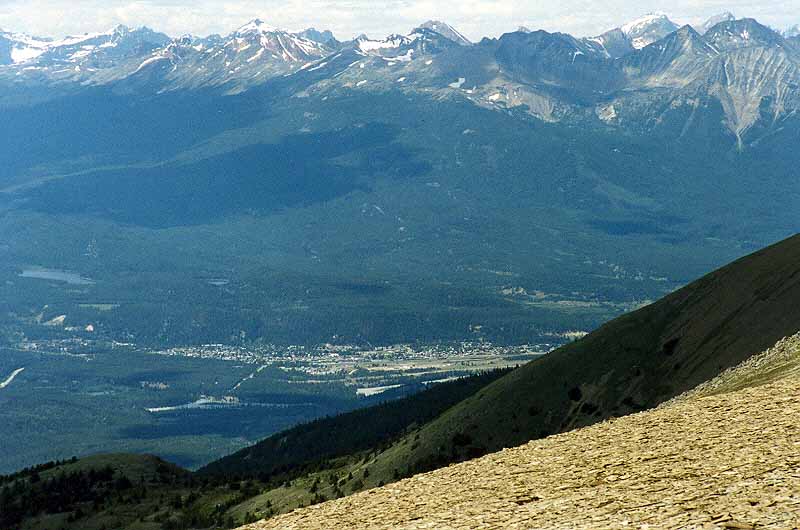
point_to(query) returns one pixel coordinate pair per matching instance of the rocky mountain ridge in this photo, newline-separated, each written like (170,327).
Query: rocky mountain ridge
(91,50)
(644,75)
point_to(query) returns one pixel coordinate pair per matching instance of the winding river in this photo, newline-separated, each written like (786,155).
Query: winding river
(8,381)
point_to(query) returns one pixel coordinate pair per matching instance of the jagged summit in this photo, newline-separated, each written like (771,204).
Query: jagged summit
(614,42)
(643,21)
(404,48)
(743,33)
(578,71)
(727,16)
(122,29)
(258,27)
(18,48)
(321,36)
(95,47)
(634,35)
(366,44)
(673,58)
(446,30)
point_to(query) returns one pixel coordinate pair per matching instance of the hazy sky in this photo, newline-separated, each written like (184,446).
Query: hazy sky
(347,18)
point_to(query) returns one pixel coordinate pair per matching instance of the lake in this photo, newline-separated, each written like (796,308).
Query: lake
(41,273)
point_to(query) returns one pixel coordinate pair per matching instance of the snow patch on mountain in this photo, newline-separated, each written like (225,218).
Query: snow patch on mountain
(393,41)
(24,48)
(458,84)
(21,54)
(149,61)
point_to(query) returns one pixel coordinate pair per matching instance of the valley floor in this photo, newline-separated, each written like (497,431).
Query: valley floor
(728,460)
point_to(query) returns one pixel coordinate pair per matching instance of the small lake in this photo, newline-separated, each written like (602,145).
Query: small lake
(375,390)
(40,273)
(211,403)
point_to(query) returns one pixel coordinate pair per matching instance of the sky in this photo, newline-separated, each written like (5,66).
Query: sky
(376,18)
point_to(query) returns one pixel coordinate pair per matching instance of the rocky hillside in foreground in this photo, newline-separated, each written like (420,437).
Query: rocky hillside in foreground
(721,461)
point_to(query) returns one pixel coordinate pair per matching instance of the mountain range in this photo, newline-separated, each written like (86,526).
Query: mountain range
(556,76)
(625,75)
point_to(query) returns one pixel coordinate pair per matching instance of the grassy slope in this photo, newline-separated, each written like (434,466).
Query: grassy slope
(158,495)
(307,445)
(634,362)
(134,467)
(779,362)
(147,473)
(291,461)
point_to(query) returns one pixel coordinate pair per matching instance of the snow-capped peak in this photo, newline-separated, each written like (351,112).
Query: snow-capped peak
(794,31)
(119,30)
(648,29)
(255,26)
(644,22)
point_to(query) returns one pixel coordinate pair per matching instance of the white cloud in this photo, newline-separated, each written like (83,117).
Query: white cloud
(347,18)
